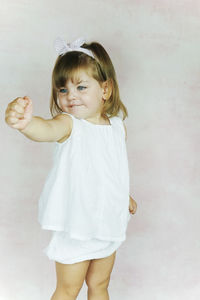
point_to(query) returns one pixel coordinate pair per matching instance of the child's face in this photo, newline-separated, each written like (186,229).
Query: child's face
(83,99)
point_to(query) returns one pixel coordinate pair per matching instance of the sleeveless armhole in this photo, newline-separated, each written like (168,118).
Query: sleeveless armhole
(121,125)
(72,131)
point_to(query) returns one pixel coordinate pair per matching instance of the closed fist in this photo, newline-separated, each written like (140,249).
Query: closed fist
(19,113)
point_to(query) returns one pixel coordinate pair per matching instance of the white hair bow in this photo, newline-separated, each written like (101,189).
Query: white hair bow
(62,48)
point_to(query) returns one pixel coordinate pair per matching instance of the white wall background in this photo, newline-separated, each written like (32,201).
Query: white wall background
(155,48)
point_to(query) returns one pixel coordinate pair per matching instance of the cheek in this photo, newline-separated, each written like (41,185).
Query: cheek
(88,101)
(61,100)
(61,103)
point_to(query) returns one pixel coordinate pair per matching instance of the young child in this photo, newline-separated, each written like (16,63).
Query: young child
(85,201)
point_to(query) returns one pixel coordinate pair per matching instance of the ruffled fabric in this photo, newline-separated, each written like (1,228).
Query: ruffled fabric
(66,250)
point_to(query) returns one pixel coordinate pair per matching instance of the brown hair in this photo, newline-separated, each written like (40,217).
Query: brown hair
(100,68)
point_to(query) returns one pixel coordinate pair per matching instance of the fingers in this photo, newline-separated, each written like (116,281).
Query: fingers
(16,106)
(16,109)
(132,211)
(133,207)
(15,114)
(20,104)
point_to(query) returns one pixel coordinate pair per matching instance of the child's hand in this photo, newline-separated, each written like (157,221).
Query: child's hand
(19,113)
(132,205)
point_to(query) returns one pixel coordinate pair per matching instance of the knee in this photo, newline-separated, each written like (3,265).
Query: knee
(68,291)
(95,285)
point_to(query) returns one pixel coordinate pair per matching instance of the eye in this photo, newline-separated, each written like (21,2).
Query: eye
(62,91)
(82,87)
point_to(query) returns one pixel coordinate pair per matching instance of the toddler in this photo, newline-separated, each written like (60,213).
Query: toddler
(85,200)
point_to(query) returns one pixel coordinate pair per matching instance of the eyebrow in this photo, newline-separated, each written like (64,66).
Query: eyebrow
(77,83)
(82,81)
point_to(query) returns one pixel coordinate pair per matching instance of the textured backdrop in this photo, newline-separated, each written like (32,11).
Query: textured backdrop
(155,48)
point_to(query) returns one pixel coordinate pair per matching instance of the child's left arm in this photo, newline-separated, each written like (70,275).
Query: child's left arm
(132,203)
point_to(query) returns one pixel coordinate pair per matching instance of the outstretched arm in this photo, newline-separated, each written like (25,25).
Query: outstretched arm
(19,116)
(52,130)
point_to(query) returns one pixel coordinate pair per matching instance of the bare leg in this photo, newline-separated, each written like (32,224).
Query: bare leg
(98,294)
(59,294)
(70,278)
(98,277)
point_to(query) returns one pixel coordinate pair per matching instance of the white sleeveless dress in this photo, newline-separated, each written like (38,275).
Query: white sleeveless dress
(85,199)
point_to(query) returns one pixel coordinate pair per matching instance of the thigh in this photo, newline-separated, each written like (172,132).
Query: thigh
(99,270)
(71,275)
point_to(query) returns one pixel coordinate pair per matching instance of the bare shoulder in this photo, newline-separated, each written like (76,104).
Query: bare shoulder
(125,130)
(63,118)
(62,124)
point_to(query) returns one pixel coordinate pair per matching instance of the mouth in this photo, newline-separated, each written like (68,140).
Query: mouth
(71,106)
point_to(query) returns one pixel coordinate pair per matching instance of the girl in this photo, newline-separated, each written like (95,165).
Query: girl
(85,201)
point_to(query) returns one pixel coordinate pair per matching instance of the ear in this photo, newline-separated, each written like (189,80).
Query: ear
(107,89)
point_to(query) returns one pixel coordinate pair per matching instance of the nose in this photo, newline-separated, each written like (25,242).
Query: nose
(72,98)
(71,95)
